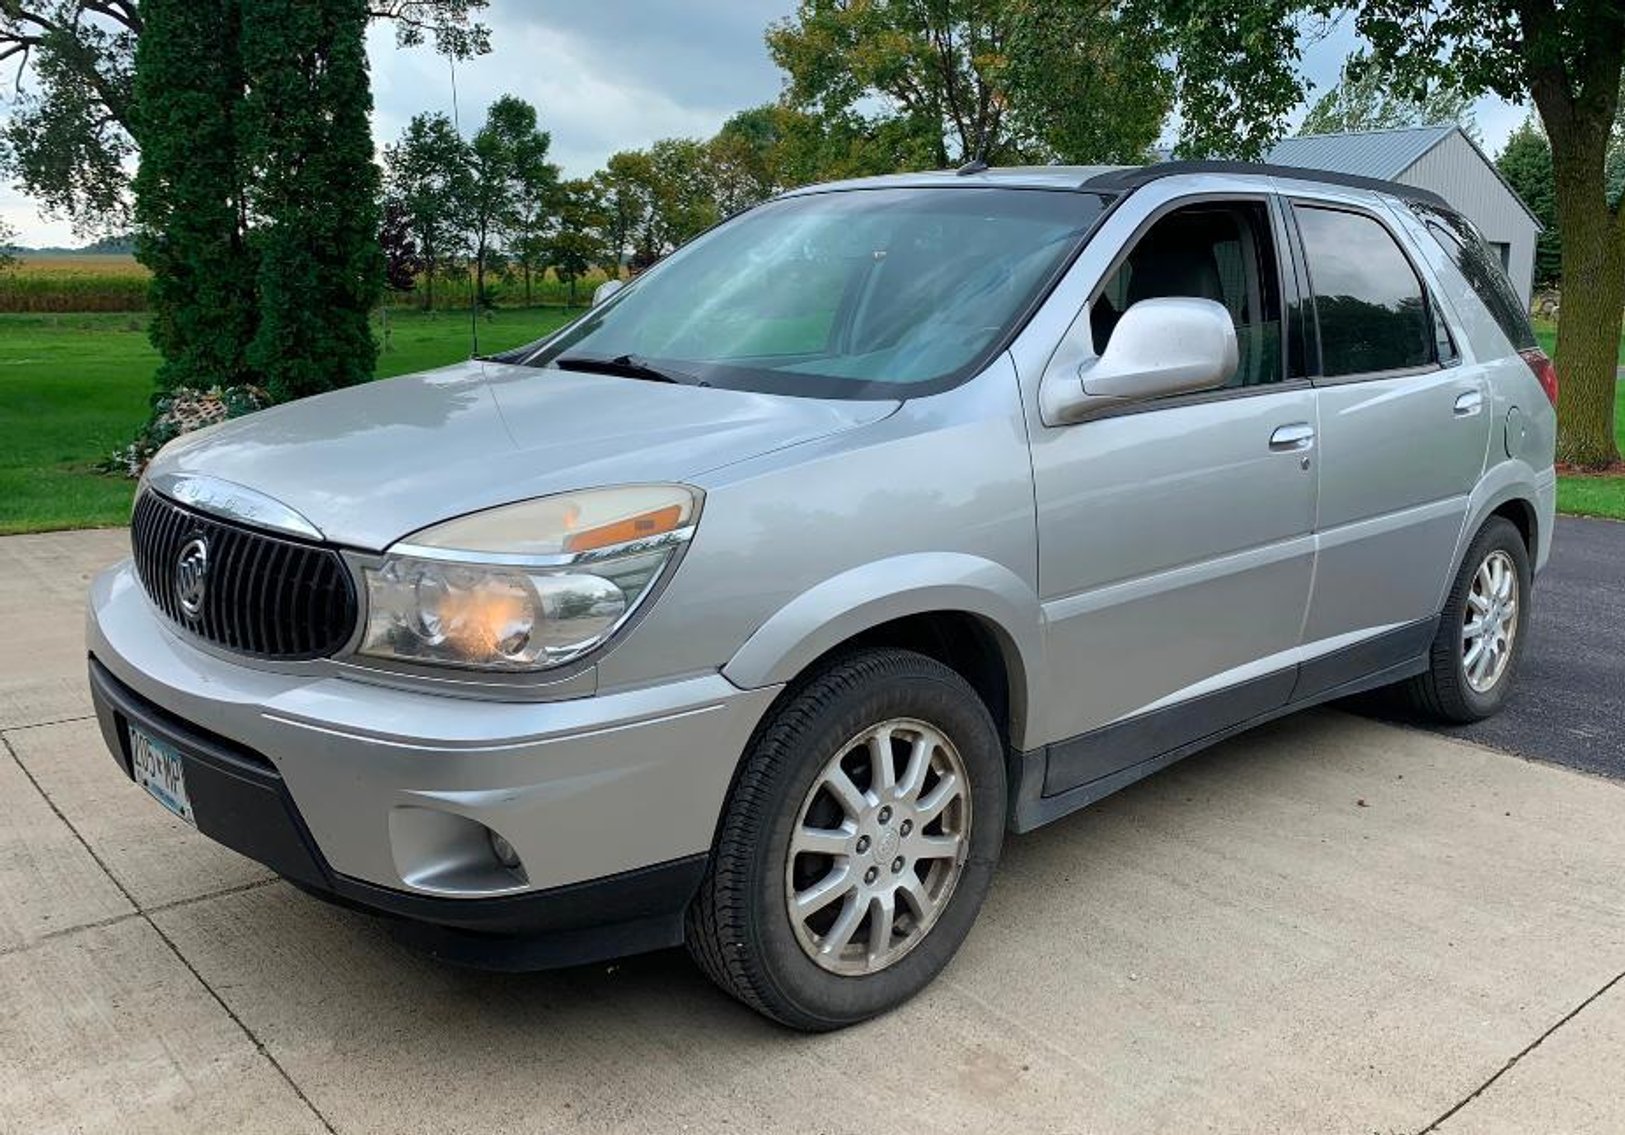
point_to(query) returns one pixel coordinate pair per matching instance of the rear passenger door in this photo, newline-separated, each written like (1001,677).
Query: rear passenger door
(1404,428)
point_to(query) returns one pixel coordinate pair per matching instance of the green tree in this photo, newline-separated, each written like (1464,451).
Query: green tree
(8,238)
(191,199)
(626,188)
(744,157)
(1239,76)
(684,193)
(578,243)
(1004,80)
(1526,163)
(73,122)
(426,174)
(307,148)
(1568,58)
(1362,100)
(512,182)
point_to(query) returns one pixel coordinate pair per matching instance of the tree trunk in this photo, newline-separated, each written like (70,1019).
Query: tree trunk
(527,283)
(1588,329)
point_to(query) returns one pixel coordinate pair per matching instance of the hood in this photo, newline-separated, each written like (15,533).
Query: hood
(373,463)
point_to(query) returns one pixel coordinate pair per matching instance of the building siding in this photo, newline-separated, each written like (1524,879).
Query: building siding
(1457,171)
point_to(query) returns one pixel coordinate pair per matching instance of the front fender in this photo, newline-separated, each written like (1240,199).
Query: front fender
(845,605)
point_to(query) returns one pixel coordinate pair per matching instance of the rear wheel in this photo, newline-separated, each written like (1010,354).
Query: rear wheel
(1481,634)
(857,845)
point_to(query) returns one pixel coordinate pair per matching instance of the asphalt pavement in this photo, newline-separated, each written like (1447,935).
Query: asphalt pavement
(1569,704)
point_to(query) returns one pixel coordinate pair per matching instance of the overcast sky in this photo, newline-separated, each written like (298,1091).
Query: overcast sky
(611,76)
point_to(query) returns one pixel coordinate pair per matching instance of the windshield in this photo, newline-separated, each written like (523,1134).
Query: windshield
(878,293)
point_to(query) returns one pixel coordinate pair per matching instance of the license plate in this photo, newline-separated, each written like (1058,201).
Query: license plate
(159,769)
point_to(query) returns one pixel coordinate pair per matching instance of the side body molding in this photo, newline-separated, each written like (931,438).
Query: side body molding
(919,583)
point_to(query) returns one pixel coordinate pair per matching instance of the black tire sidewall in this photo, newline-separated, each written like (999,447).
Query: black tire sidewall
(925,691)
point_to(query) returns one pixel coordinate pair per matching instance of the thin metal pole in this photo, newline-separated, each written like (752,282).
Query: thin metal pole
(473,299)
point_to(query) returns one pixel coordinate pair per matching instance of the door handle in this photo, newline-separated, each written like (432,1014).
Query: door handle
(1298,435)
(1469,402)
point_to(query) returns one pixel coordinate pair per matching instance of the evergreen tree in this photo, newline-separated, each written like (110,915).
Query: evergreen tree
(308,142)
(1526,163)
(191,212)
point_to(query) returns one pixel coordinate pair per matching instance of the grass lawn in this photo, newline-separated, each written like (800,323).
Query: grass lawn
(1598,496)
(75,387)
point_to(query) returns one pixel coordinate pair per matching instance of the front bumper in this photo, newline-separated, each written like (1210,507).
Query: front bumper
(385,799)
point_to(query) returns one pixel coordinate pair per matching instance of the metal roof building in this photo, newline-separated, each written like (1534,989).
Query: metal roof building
(1440,158)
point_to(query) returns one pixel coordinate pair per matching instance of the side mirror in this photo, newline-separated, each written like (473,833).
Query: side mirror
(608,288)
(1172,345)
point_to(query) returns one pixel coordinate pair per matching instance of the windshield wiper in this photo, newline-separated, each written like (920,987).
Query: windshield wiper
(627,366)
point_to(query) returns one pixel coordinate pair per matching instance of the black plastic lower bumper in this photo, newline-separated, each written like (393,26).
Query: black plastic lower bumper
(240,800)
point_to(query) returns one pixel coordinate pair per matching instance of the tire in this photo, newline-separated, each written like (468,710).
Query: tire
(740,929)
(1446,691)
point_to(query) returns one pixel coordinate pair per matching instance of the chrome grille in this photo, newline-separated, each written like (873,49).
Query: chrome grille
(262,595)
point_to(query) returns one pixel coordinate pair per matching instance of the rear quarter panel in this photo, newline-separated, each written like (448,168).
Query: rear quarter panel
(1523,434)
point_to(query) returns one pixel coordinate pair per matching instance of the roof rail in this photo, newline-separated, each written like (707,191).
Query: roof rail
(1133,177)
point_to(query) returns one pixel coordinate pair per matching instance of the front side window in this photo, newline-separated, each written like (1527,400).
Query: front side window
(1368,300)
(1216,251)
(877,293)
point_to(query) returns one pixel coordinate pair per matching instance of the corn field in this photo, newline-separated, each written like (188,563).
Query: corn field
(89,282)
(74,283)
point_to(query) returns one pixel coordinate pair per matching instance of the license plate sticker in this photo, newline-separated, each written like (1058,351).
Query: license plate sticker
(159,769)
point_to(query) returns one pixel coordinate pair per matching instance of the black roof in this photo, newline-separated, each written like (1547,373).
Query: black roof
(1130,178)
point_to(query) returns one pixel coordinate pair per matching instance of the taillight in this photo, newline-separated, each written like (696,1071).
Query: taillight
(1545,372)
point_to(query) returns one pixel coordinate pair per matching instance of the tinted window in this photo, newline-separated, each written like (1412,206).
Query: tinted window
(877,293)
(1368,300)
(1219,252)
(1483,269)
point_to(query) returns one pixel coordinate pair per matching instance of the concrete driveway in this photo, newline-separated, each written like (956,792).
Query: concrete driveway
(1334,924)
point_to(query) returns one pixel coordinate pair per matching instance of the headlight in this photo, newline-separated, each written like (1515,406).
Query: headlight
(525,586)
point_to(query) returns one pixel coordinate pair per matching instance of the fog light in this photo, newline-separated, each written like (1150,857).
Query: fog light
(504,852)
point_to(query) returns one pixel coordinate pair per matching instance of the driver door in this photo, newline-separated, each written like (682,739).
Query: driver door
(1176,535)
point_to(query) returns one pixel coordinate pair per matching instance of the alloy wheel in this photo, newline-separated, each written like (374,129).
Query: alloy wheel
(1491,622)
(878,846)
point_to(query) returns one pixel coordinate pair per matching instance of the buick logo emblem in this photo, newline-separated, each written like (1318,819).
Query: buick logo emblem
(191,576)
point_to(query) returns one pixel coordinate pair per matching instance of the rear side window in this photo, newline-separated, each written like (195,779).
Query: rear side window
(1368,300)
(1484,269)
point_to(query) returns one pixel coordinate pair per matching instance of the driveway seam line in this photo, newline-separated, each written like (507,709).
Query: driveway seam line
(1527,1049)
(66,931)
(258,1044)
(43,724)
(134,912)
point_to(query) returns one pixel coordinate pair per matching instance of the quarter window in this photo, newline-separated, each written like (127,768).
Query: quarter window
(1368,301)
(1484,270)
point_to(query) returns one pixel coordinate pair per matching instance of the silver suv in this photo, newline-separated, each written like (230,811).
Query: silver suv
(754,607)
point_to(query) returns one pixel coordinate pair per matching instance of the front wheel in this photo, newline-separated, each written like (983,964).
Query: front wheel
(857,845)
(1482,631)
